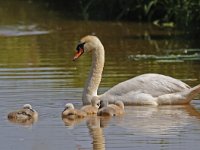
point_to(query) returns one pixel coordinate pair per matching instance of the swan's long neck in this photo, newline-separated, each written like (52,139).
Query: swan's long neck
(94,78)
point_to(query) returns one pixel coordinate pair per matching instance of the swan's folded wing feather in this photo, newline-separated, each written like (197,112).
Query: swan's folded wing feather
(153,84)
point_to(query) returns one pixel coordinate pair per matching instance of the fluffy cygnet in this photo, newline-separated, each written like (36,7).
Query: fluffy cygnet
(23,115)
(115,109)
(93,108)
(72,113)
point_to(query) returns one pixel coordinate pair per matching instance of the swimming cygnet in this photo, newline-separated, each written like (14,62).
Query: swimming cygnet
(23,114)
(93,108)
(72,113)
(115,109)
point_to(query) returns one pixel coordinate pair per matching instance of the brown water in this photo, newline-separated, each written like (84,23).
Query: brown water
(36,67)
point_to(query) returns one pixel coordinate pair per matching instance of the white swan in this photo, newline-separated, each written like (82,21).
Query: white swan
(146,89)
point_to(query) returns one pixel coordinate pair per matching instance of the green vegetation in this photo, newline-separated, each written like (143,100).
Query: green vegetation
(183,14)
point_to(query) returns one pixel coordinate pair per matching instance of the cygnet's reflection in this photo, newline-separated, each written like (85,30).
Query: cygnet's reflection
(72,122)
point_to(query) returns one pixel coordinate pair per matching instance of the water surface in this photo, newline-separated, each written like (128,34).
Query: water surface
(36,67)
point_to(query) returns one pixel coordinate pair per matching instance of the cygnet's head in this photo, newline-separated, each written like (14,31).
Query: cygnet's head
(27,106)
(69,106)
(120,104)
(103,103)
(87,44)
(95,102)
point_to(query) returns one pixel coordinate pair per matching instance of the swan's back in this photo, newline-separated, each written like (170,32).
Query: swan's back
(153,84)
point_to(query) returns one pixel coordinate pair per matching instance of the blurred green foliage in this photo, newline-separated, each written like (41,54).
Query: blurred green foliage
(183,13)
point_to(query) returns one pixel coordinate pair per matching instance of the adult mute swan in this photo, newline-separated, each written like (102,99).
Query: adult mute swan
(146,89)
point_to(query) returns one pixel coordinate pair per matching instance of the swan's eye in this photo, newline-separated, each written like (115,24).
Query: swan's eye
(80,47)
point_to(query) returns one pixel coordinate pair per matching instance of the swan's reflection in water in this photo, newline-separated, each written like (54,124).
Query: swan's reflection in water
(141,122)
(95,125)
(96,132)
(157,121)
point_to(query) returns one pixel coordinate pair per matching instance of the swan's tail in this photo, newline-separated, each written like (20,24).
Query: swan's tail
(183,97)
(192,93)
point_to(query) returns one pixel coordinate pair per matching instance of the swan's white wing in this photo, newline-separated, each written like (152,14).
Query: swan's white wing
(153,84)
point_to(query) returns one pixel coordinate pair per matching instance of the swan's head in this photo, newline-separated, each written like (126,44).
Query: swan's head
(87,44)
(27,106)
(103,103)
(69,106)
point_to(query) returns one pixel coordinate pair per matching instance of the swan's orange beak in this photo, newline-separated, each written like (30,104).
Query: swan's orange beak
(79,52)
